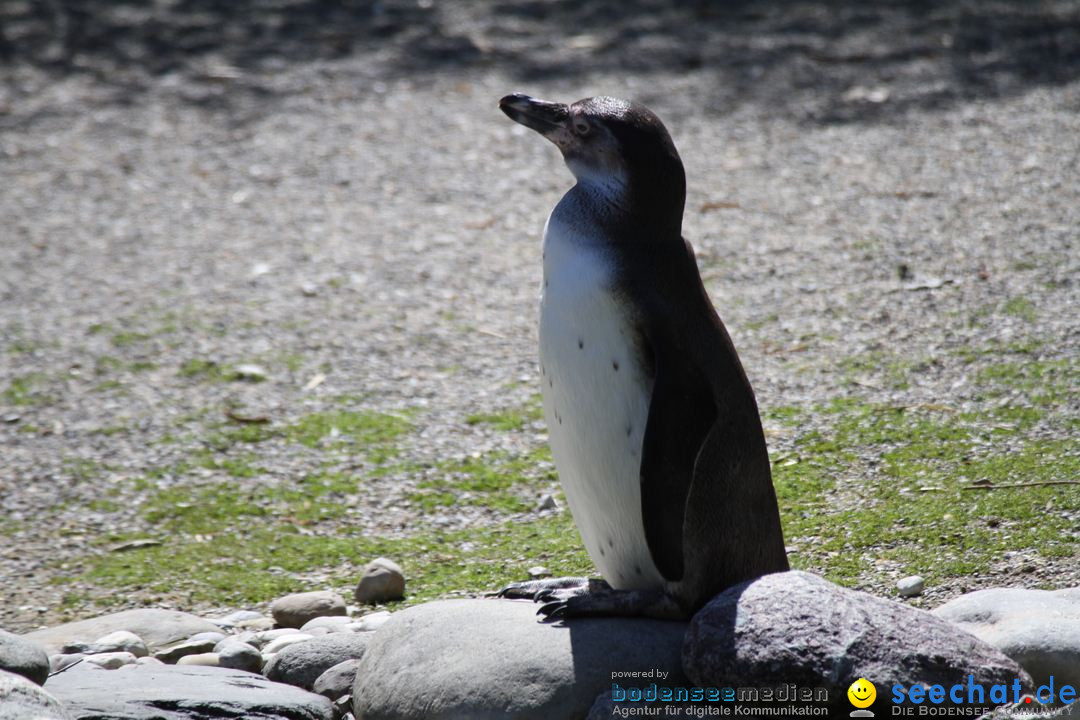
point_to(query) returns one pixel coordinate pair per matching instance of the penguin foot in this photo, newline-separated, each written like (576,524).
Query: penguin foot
(550,589)
(654,604)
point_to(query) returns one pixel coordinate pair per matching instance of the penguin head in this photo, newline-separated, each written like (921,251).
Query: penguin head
(608,141)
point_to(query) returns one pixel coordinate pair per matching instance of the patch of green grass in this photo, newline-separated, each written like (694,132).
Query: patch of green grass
(127,338)
(909,502)
(372,431)
(142,366)
(891,370)
(511,419)
(205,370)
(27,390)
(244,565)
(1020,307)
(498,481)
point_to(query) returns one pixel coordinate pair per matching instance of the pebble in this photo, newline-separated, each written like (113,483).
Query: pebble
(539,571)
(60,661)
(233,619)
(293,611)
(382,581)
(209,659)
(256,624)
(238,656)
(119,641)
(275,646)
(910,586)
(262,638)
(148,660)
(370,622)
(110,660)
(327,621)
(251,372)
(547,503)
(171,654)
(216,637)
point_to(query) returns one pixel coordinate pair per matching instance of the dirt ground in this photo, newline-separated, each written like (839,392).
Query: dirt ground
(327,189)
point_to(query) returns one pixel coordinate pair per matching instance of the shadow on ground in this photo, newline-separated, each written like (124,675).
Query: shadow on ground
(826,61)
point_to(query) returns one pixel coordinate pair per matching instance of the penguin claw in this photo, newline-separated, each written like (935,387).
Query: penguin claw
(553,610)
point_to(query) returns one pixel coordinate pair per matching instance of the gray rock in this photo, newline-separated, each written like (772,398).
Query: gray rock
(292,611)
(910,586)
(795,627)
(60,661)
(156,627)
(216,637)
(494,659)
(23,657)
(382,581)
(182,692)
(370,622)
(148,661)
(337,681)
(209,659)
(233,619)
(21,699)
(332,621)
(119,641)
(238,656)
(172,653)
(256,624)
(263,638)
(110,660)
(278,644)
(1040,629)
(302,664)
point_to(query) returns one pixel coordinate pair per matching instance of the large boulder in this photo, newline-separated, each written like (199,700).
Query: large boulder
(302,664)
(1040,629)
(22,657)
(495,659)
(182,692)
(795,627)
(21,699)
(155,627)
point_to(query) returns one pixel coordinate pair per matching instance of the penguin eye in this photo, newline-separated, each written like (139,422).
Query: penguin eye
(581,127)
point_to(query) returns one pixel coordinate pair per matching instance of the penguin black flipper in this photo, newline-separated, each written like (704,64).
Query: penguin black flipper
(707,501)
(681,414)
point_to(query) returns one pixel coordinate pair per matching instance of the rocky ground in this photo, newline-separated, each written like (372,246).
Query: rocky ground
(884,203)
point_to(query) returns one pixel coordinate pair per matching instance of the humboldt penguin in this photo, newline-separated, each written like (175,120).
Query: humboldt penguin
(653,425)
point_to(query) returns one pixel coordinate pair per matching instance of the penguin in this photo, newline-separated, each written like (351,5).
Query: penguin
(652,422)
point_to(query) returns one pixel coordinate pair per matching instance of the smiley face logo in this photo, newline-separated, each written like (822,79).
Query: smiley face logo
(862,693)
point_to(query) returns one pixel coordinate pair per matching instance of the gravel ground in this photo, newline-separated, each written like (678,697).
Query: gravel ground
(328,190)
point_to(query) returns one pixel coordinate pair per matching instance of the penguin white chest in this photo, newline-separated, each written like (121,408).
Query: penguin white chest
(596,404)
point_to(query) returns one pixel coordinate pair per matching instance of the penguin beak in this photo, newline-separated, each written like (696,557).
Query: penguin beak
(542,116)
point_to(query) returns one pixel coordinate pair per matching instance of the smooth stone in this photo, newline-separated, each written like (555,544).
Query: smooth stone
(119,641)
(382,581)
(1040,629)
(235,618)
(262,638)
(183,692)
(156,627)
(22,656)
(326,621)
(337,682)
(209,659)
(292,611)
(148,660)
(369,622)
(794,627)
(111,660)
(171,654)
(215,636)
(21,699)
(277,645)
(250,372)
(302,664)
(64,660)
(238,656)
(322,630)
(910,586)
(256,624)
(494,659)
